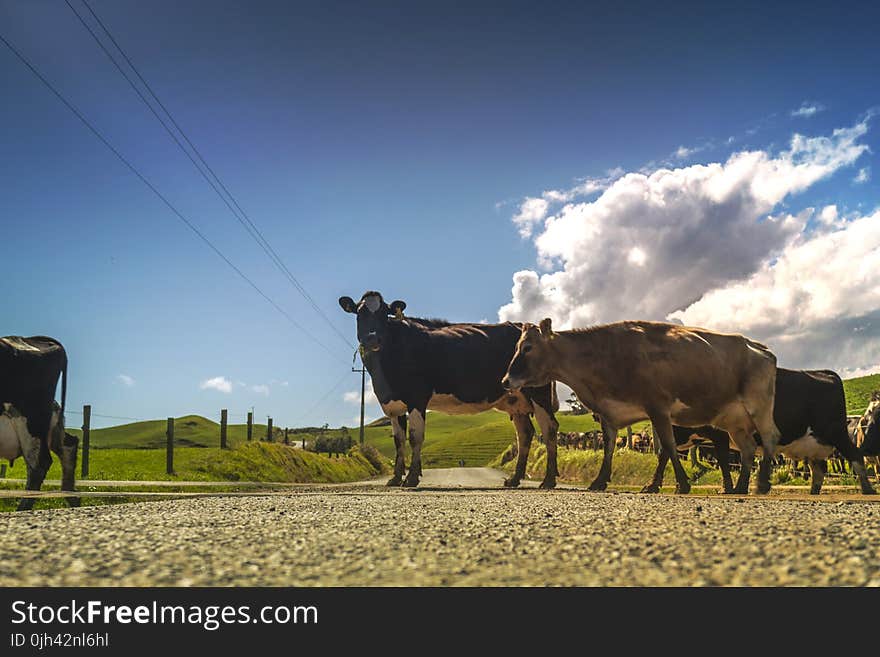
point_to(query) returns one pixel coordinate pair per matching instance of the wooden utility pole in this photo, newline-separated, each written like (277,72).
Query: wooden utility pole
(250,425)
(223,418)
(169,447)
(286,440)
(269,431)
(363,370)
(86,429)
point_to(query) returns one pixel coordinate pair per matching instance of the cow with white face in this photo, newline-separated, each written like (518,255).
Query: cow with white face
(31,422)
(867,433)
(417,364)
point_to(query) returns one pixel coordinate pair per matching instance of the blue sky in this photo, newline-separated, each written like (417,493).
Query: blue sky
(388,146)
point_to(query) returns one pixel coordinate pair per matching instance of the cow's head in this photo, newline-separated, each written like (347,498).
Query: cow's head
(871,443)
(530,364)
(372,318)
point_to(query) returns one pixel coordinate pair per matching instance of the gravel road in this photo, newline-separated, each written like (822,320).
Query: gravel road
(362,535)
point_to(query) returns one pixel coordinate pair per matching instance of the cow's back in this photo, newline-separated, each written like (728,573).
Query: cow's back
(809,399)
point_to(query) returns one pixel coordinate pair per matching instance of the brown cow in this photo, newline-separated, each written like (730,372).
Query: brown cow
(666,373)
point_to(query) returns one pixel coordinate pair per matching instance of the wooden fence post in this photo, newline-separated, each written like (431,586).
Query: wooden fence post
(86,429)
(250,425)
(223,428)
(269,431)
(286,440)
(304,441)
(169,447)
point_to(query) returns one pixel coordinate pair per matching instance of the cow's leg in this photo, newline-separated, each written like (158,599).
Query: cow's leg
(525,431)
(398,430)
(818,468)
(549,429)
(35,476)
(609,437)
(764,469)
(657,480)
(858,467)
(416,438)
(747,447)
(722,454)
(663,428)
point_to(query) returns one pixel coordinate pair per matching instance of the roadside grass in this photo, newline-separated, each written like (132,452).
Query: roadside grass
(255,461)
(629,468)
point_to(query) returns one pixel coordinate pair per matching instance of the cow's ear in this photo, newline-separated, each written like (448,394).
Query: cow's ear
(348,305)
(397,308)
(546,327)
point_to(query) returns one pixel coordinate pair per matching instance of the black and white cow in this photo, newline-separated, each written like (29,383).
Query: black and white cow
(810,412)
(31,422)
(420,364)
(866,433)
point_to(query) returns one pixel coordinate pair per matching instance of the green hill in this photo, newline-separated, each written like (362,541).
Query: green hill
(189,431)
(858,392)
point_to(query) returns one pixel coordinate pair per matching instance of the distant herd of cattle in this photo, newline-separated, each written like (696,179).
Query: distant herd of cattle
(694,385)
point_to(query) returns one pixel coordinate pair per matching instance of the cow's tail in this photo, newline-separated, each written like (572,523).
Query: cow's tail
(63,385)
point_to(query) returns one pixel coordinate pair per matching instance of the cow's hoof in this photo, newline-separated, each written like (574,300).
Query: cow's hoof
(73,502)
(682,488)
(511,482)
(394,481)
(650,488)
(814,490)
(410,482)
(728,491)
(598,486)
(548,484)
(763,490)
(868,491)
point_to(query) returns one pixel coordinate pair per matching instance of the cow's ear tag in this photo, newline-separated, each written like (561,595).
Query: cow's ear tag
(398,313)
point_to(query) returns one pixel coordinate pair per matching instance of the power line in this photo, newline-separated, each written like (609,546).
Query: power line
(108,417)
(318,403)
(244,219)
(155,191)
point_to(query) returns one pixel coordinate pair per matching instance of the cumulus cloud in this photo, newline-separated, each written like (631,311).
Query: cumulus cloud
(863,176)
(533,210)
(692,243)
(807,109)
(125,380)
(354,396)
(219,383)
(817,303)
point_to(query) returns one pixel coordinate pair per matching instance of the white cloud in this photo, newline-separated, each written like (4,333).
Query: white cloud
(655,243)
(531,211)
(219,383)
(807,109)
(125,380)
(534,210)
(261,389)
(863,176)
(817,304)
(354,396)
(682,152)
